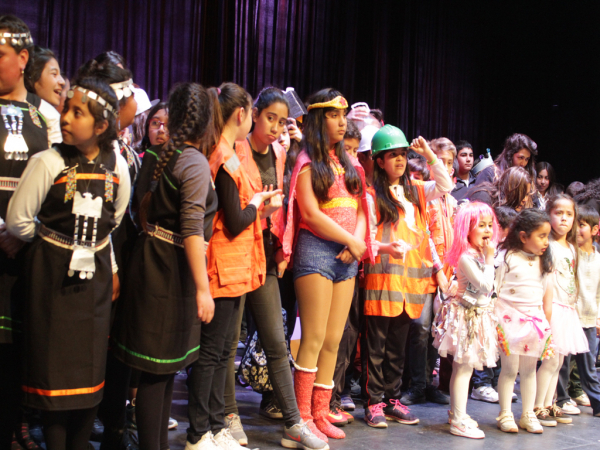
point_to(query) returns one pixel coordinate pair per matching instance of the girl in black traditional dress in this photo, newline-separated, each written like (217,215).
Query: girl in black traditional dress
(157,327)
(22,120)
(69,199)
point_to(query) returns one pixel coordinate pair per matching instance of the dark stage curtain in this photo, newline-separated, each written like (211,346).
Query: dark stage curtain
(465,70)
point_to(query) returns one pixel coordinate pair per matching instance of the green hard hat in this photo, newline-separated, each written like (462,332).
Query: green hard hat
(388,138)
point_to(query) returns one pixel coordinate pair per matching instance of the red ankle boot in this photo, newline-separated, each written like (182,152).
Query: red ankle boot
(321,396)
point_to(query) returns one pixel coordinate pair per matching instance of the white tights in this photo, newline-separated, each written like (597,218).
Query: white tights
(547,379)
(525,366)
(459,389)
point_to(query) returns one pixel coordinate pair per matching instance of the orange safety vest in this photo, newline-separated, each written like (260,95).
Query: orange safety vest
(244,152)
(236,265)
(440,225)
(393,285)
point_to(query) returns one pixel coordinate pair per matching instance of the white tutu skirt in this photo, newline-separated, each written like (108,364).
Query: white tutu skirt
(522,334)
(469,334)
(567,333)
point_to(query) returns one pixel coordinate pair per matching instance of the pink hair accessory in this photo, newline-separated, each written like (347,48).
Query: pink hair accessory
(218,91)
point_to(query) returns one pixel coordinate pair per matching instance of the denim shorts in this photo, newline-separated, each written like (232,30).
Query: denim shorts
(316,255)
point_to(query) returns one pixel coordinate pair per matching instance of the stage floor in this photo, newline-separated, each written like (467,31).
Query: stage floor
(431,433)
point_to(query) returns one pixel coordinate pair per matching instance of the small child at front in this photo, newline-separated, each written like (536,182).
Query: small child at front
(588,308)
(523,309)
(465,326)
(567,334)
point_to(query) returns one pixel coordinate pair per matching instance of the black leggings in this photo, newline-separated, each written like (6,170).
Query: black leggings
(68,430)
(152,410)
(10,393)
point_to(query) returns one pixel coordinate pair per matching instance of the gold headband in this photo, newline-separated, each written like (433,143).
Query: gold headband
(339,103)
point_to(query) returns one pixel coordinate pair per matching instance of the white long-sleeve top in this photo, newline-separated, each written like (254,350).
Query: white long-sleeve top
(588,300)
(52,117)
(469,271)
(441,185)
(36,181)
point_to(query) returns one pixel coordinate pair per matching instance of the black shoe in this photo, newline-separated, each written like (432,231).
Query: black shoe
(434,395)
(413,397)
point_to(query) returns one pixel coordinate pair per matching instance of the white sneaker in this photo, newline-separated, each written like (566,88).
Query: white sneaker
(467,418)
(567,408)
(530,422)
(583,400)
(173,423)
(485,394)
(233,422)
(226,441)
(465,429)
(206,443)
(506,422)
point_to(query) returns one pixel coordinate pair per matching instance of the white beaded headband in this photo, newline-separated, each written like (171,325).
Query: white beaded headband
(122,89)
(94,96)
(16,39)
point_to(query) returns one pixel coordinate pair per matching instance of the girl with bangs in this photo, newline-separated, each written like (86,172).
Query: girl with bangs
(465,326)
(326,227)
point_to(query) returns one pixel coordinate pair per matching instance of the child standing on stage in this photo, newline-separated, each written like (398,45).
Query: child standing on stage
(523,309)
(263,161)
(588,308)
(466,325)
(326,227)
(567,334)
(395,284)
(157,329)
(78,192)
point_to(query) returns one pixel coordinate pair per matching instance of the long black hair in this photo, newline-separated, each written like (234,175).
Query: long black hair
(316,144)
(38,58)
(553,188)
(527,221)
(387,205)
(145,144)
(512,145)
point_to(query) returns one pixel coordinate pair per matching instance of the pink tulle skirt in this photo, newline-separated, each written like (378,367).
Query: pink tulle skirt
(567,333)
(469,334)
(522,334)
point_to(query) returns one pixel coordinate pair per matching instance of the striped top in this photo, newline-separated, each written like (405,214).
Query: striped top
(342,206)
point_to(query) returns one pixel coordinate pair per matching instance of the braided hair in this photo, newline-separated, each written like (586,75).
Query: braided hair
(190,119)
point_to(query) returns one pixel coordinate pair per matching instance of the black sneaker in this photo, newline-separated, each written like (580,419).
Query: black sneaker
(434,395)
(271,410)
(396,411)
(413,397)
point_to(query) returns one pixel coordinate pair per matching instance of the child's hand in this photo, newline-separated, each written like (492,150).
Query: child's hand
(206,305)
(442,281)
(281,263)
(488,249)
(357,247)
(293,130)
(345,256)
(116,287)
(276,201)
(9,243)
(453,289)
(420,146)
(396,250)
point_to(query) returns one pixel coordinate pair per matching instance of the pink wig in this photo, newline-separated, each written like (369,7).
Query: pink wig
(466,219)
